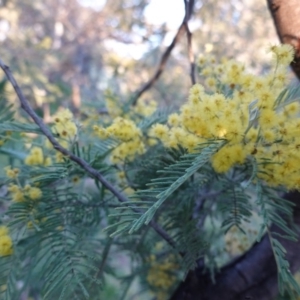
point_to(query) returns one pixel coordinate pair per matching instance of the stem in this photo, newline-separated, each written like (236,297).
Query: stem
(93,172)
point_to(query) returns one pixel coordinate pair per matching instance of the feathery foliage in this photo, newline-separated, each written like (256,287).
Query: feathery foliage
(164,189)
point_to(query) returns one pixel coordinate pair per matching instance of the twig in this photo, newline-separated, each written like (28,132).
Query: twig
(191,54)
(189,5)
(161,66)
(45,130)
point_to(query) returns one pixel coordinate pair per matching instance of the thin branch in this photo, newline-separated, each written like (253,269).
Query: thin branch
(191,54)
(93,172)
(161,66)
(189,5)
(189,8)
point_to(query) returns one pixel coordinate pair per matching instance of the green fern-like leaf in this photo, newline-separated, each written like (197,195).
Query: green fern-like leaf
(238,207)
(176,174)
(278,211)
(18,127)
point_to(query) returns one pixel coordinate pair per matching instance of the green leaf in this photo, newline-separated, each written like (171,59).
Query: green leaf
(187,166)
(19,127)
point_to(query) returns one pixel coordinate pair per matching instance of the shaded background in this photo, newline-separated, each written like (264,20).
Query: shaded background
(68,52)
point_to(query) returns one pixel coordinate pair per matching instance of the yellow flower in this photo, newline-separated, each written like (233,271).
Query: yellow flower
(201,60)
(27,188)
(161,275)
(17,193)
(34,193)
(283,54)
(190,142)
(121,175)
(159,130)
(123,129)
(269,136)
(145,108)
(207,71)
(291,109)
(280,78)
(211,82)
(59,157)
(234,134)
(35,157)
(258,84)
(266,98)
(222,161)
(12,173)
(3,230)
(64,127)
(197,89)
(63,116)
(5,245)
(267,118)
(220,101)
(13,188)
(48,162)
(174,120)
(238,153)
(151,142)
(101,132)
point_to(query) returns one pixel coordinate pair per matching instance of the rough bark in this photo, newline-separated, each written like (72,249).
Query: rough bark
(286,17)
(252,276)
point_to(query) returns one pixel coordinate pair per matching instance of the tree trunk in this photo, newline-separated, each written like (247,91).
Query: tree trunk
(253,276)
(286,17)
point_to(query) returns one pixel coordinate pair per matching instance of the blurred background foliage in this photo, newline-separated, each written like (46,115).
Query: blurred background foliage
(68,52)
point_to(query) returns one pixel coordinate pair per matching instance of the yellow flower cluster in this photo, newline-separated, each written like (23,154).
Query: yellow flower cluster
(283,54)
(121,129)
(5,242)
(12,173)
(64,127)
(66,132)
(20,194)
(112,105)
(128,133)
(4,137)
(247,113)
(144,108)
(237,242)
(161,276)
(36,157)
(35,222)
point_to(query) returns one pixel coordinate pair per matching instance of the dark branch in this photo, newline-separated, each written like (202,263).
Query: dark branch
(189,6)
(93,172)
(252,276)
(191,54)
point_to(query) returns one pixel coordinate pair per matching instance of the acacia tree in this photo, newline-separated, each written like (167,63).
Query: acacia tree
(184,175)
(254,273)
